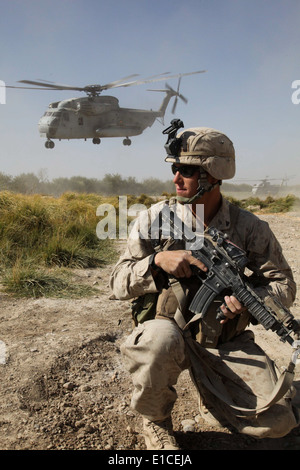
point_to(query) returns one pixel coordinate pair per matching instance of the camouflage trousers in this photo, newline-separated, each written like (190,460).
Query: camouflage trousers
(155,354)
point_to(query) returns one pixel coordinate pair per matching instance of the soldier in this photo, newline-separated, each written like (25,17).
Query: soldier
(155,353)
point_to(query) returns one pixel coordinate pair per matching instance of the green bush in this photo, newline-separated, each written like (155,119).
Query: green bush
(38,233)
(25,281)
(268,205)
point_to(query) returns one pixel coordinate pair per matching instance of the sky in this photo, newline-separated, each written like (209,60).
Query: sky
(250,51)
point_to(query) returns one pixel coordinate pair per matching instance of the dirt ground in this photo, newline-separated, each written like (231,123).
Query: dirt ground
(62,381)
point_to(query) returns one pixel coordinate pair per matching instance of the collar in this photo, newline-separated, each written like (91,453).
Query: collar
(222,218)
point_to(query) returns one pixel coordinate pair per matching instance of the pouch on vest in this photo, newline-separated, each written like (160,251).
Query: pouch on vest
(167,303)
(144,308)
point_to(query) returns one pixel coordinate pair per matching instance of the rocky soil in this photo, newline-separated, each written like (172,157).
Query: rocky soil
(62,381)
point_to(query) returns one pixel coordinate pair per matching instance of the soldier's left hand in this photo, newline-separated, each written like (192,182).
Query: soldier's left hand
(231,307)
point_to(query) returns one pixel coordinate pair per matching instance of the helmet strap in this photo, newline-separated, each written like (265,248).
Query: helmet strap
(203,187)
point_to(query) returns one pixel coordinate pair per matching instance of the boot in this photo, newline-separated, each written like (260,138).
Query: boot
(159,435)
(210,416)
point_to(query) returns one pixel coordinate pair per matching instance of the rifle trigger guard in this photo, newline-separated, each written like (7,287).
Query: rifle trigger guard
(220,315)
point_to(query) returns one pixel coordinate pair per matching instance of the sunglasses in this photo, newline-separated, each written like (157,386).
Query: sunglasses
(186,171)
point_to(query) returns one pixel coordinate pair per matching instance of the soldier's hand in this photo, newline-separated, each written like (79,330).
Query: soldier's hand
(178,263)
(231,308)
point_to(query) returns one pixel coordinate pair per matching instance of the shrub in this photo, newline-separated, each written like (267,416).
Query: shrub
(39,233)
(268,205)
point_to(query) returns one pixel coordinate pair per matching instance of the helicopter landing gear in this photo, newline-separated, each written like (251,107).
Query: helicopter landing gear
(96,140)
(49,144)
(127,141)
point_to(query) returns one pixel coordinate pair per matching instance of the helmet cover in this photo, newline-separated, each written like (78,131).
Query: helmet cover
(208,148)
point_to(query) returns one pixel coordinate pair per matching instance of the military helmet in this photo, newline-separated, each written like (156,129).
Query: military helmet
(208,148)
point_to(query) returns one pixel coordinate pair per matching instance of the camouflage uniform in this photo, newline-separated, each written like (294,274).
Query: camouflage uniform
(132,275)
(155,353)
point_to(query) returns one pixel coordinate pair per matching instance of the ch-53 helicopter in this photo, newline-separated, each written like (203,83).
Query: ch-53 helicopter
(95,116)
(266,188)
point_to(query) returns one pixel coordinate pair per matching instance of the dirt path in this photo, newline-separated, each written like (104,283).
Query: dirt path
(63,385)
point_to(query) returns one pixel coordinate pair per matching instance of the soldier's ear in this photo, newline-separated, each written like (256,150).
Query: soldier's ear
(211,179)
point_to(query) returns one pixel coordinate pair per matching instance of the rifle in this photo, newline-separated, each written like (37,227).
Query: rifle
(225,264)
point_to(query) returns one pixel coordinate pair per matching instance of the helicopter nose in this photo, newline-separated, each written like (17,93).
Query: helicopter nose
(48,127)
(43,126)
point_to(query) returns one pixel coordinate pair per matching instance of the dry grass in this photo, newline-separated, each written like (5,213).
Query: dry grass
(42,238)
(42,235)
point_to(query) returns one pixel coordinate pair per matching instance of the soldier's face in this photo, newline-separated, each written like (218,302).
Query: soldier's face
(186,186)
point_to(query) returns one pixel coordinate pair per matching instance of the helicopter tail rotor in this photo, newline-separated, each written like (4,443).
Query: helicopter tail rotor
(172,92)
(178,95)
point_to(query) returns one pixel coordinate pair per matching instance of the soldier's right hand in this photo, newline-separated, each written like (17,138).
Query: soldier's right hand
(178,263)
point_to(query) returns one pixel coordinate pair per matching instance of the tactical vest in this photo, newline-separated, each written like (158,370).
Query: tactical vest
(178,294)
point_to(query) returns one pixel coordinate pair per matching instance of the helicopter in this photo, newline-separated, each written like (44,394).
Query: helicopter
(94,116)
(265,187)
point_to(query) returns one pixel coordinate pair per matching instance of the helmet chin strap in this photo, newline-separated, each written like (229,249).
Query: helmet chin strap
(203,187)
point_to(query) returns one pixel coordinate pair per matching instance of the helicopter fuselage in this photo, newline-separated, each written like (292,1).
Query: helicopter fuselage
(93,117)
(98,116)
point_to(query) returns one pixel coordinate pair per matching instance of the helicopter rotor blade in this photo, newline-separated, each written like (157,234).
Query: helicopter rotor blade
(120,83)
(113,84)
(174,93)
(176,99)
(151,79)
(178,95)
(58,86)
(51,85)
(25,87)
(161,91)
(177,92)
(96,89)
(88,88)
(174,105)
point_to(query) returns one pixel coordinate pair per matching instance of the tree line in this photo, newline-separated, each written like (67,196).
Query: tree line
(109,185)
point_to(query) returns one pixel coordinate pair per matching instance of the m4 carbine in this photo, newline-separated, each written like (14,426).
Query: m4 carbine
(225,264)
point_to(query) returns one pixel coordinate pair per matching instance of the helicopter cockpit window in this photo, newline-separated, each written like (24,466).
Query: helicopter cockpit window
(54,105)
